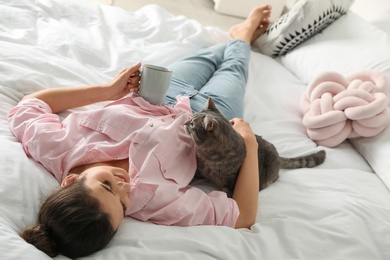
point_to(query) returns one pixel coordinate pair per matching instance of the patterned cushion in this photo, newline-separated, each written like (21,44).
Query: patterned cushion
(305,19)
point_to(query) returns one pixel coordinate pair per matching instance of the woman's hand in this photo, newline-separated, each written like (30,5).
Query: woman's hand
(247,185)
(125,82)
(245,130)
(63,98)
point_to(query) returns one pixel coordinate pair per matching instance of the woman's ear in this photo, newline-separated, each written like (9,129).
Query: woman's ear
(71,178)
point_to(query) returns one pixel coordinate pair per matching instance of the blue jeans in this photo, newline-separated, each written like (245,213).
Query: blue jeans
(219,72)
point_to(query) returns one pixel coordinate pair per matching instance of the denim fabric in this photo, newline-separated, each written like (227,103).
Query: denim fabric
(219,72)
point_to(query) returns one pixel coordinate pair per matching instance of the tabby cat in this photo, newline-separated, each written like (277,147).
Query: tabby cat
(221,151)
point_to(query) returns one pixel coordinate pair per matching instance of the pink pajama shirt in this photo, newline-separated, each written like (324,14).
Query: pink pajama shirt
(162,159)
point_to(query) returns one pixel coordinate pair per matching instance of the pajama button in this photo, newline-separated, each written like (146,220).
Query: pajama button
(100,128)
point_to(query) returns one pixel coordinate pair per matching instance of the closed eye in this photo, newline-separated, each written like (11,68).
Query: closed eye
(107,186)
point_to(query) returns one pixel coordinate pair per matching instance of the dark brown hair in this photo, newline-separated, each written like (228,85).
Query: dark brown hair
(70,222)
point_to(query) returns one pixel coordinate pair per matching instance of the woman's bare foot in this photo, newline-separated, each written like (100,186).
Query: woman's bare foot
(253,26)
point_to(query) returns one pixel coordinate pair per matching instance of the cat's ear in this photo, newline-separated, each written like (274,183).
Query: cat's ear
(211,106)
(208,123)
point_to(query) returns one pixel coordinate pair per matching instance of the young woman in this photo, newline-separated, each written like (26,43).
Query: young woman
(132,158)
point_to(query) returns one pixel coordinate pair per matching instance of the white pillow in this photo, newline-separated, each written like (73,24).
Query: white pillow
(273,110)
(349,45)
(382,21)
(305,19)
(376,151)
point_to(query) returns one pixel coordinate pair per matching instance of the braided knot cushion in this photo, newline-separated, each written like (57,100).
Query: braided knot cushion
(336,107)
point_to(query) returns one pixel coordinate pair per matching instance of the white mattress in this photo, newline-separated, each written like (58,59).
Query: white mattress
(339,210)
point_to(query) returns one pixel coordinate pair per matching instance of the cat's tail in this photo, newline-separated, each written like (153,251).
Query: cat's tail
(307,161)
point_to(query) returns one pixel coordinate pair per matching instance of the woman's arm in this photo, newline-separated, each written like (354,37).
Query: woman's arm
(60,99)
(246,191)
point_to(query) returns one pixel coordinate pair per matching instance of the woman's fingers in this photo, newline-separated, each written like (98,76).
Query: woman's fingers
(133,80)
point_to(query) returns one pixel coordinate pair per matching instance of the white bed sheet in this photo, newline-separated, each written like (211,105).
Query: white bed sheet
(339,210)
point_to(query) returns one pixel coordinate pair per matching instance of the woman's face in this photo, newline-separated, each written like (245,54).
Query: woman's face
(110,185)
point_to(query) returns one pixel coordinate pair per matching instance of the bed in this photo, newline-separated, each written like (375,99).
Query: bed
(338,210)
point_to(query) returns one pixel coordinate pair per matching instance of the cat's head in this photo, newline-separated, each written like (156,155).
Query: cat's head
(208,125)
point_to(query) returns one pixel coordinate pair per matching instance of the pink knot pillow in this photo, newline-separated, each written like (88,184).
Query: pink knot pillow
(336,108)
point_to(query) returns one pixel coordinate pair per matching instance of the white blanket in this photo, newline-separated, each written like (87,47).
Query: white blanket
(339,210)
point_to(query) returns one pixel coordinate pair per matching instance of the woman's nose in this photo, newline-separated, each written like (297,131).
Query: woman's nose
(123,186)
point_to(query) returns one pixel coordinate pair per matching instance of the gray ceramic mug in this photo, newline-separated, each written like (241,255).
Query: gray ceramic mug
(154,83)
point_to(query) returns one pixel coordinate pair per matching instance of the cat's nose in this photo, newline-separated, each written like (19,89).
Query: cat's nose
(186,127)
(190,123)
